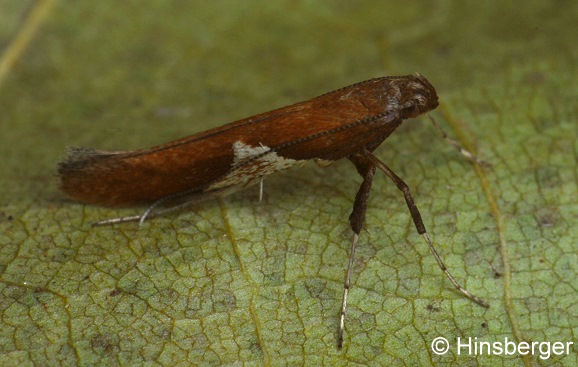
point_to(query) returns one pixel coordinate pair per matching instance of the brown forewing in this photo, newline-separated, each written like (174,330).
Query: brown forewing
(329,127)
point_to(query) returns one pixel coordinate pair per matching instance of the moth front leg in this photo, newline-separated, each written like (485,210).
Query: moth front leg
(419,225)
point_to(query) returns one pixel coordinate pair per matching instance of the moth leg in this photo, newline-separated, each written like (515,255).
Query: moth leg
(416,216)
(132,218)
(148,213)
(463,151)
(357,217)
(261,189)
(262,178)
(163,206)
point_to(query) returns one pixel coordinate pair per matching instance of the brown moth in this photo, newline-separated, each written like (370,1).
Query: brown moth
(350,123)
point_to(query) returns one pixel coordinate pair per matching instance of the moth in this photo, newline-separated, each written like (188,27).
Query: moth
(350,123)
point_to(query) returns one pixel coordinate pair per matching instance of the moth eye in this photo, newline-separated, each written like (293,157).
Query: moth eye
(412,107)
(419,103)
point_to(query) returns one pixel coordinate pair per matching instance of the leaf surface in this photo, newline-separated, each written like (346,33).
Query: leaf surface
(238,280)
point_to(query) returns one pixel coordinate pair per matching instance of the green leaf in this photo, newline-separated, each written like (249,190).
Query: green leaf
(241,282)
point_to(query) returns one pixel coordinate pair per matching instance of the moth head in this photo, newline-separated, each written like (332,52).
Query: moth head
(418,97)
